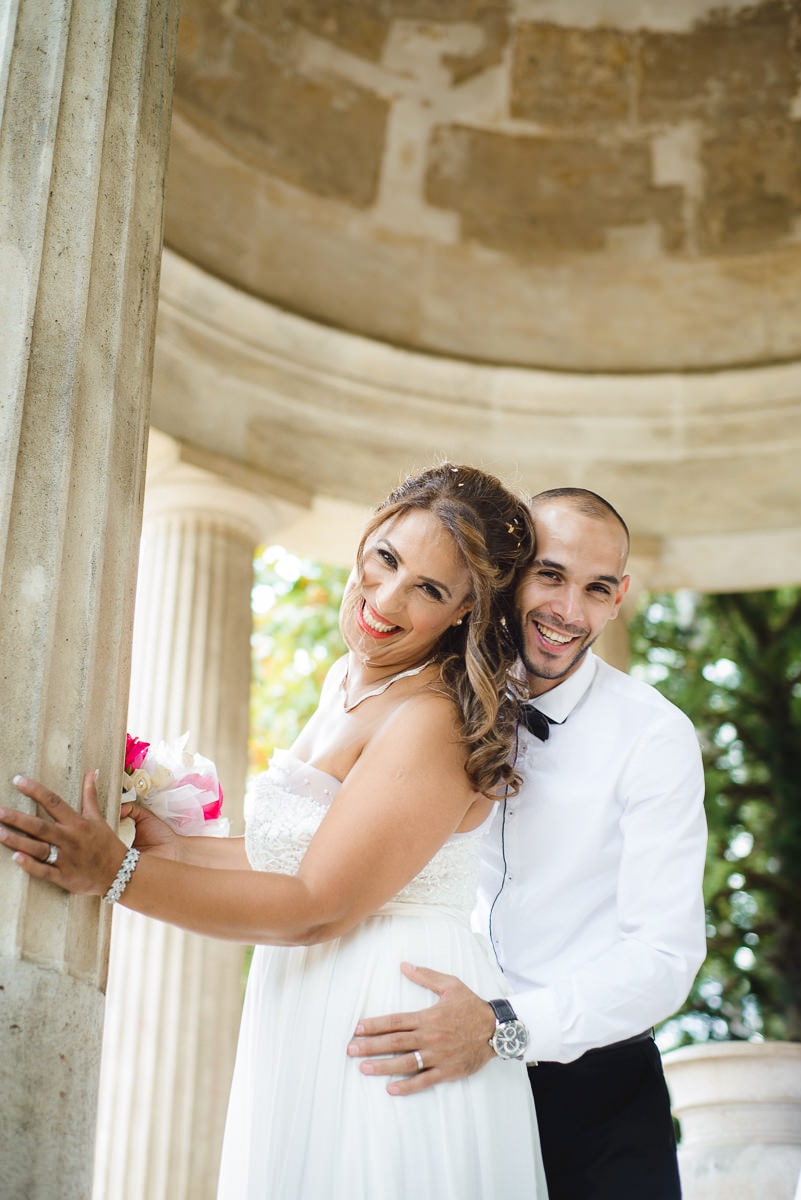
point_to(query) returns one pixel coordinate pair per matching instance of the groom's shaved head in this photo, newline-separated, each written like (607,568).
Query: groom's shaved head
(583,501)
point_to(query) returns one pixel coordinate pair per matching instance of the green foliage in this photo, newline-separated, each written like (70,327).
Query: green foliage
(295,640)
(733,664)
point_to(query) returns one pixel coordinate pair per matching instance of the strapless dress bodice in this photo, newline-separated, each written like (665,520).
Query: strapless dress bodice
(285,806)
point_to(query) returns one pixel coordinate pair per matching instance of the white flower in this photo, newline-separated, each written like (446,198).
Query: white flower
(141,782)
(161,777)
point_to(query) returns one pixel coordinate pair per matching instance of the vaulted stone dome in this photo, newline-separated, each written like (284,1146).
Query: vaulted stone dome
(561,239)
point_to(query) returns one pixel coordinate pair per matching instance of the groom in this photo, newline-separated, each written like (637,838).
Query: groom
(590,889)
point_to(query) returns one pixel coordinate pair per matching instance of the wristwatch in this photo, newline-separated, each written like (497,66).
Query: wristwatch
(511,1036)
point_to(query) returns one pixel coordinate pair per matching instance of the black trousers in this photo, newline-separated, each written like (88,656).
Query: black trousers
(605,1125)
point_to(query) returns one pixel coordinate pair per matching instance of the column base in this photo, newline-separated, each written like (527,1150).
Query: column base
(52,1027)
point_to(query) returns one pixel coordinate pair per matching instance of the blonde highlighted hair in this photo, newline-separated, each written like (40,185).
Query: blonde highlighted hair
(493,531)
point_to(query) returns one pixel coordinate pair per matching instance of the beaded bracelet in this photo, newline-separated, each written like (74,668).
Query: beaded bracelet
(123,877)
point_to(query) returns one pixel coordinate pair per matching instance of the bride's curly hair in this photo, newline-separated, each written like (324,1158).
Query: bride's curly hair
(494,533)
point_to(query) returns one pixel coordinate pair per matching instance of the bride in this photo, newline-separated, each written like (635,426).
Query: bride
(361,850)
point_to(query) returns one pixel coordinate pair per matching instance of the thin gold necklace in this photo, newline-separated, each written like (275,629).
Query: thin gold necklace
(382,687)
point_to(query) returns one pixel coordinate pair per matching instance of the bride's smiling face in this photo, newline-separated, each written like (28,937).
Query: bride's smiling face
(414,586)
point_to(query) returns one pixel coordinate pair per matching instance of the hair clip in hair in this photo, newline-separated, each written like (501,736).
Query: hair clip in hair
(513,528)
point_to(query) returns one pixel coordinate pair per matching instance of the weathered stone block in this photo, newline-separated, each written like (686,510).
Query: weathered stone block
(363,28)
(752,191)
(572,77)
(360,29)
(525,194)
(326,136)
(728,64)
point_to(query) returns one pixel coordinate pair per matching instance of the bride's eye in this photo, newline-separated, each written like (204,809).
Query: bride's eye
(387,557)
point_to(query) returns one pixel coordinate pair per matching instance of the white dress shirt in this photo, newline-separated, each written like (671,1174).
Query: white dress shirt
(593,873)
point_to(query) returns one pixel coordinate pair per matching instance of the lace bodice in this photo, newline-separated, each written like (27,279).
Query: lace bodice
(285,806)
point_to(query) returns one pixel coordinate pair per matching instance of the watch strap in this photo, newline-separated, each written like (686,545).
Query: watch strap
(503,1010)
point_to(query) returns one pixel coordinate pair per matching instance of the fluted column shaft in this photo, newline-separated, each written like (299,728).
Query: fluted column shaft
(175,998)
(85,100)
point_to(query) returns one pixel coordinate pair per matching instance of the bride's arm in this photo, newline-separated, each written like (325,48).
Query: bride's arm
(154,837)
(405,795)
(227,853)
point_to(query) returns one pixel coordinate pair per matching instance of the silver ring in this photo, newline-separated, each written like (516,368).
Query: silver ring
(418,1058)
(52,856)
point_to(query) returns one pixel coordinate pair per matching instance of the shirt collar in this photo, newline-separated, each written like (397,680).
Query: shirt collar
(559,702)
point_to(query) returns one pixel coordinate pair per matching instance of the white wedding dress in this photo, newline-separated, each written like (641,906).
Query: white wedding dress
(303,1122)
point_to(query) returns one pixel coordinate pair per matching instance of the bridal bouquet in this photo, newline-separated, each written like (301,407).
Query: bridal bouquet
(179,787)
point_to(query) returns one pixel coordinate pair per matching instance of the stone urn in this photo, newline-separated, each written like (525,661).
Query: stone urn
(739,1105)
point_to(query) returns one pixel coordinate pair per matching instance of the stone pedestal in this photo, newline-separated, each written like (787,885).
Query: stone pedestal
(739,1104)
(85,97)
(174,998)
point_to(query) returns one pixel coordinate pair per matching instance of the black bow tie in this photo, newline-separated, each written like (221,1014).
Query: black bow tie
(535,721)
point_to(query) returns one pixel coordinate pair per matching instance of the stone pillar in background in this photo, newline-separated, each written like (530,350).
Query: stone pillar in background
(174,998)
(614,644)
(85,103)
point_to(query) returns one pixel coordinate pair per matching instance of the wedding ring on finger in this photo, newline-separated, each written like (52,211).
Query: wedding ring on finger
(52,856)
(418,1058)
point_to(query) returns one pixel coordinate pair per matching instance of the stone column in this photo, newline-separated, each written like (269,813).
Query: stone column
(174,998)
(614,644)
(85,101)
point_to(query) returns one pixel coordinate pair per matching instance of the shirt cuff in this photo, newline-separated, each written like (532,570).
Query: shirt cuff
(537,1010)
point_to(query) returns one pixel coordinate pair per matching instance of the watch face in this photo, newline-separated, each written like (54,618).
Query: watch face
(510,1039)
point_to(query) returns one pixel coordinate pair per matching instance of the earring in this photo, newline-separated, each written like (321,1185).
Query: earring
(458,622)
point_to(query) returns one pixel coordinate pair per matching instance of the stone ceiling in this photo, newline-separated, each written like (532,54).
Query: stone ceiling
(576,185)
(585,215)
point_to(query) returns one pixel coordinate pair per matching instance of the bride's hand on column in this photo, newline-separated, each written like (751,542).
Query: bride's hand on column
(78,852)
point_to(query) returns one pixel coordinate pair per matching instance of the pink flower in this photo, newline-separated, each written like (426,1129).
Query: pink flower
(135,752)
(213,808)
(212,811)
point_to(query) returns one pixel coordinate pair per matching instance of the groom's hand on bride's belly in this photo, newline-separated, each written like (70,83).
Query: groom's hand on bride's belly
(451,1037)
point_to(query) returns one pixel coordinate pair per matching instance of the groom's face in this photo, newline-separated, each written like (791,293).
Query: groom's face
(573,587)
